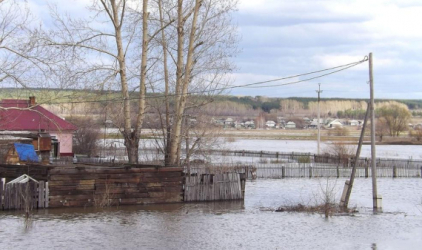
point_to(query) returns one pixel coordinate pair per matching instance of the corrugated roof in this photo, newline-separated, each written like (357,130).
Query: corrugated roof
(26,152)
(20,116)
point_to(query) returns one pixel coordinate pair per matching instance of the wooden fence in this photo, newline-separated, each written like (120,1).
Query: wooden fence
(308,170)
(319,170)
(1,192)
(110,186)
(38,172)
(26,196)
(119,155)
(213,187)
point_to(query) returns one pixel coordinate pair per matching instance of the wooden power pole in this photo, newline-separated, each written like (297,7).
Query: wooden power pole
(347,191)
(319,91)
(375,198)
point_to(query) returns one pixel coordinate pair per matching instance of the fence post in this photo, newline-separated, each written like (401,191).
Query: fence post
(1,194)
(338,172)
(260,154)
(41,194)
(366,171)
(283,172)
(421,171)
(394,172)
(310,171)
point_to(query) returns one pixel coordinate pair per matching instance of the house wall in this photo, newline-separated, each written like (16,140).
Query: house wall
(66,143)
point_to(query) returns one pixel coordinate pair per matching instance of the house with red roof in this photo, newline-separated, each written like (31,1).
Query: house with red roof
(26,116)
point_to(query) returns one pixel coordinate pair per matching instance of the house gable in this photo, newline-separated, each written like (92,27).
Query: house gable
(20,115)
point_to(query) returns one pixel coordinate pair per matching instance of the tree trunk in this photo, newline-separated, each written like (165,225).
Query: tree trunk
(130,142)
(179,72)
(166,88)
(136,135)
(183,80)
(132,146)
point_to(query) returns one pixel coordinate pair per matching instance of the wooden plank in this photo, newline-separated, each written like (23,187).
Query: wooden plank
(71,203)
(120,191)
(1,193)
(41,194)
(126,195)
(88,170)
(6,198)
(68,192)
(34,195)
(17,196)
(72,197)
(82,176)
(47,195)
(71,183)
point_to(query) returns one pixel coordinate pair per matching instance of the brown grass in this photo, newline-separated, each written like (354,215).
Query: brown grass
(328,209)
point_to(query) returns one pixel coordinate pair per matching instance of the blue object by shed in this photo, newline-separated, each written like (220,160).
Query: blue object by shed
(26,152)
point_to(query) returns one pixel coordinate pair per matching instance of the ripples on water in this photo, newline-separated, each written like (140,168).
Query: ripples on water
(232,225)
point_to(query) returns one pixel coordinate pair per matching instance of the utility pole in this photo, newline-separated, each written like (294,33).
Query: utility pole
(347,191)
(376,200)
(319,91)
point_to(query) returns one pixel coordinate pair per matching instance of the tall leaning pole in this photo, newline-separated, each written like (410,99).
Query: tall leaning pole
(377,206)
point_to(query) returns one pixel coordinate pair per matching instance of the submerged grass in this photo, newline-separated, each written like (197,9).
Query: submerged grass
(328,210)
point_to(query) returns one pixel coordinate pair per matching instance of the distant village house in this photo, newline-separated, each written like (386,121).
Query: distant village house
(270,124)
(290,125)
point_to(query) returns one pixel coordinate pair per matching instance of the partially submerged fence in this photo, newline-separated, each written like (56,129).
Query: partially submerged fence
(212,187)
(307,170)
(26,196)
(156,156)
(80,185)
(38,172)
(110,186)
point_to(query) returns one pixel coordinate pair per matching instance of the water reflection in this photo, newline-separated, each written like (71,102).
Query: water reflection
(230,225)
(176,209)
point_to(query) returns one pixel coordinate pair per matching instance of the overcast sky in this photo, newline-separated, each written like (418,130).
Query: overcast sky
(287,37)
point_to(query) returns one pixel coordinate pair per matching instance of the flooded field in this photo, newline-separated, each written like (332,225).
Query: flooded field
(383,151)
(301,146)
(232,225)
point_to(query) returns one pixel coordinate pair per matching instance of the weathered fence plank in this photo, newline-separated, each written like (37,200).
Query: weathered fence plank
(26,196)
(41,193)
(1,194)
(212,187)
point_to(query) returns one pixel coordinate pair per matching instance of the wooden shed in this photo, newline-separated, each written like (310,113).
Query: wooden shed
(21,153)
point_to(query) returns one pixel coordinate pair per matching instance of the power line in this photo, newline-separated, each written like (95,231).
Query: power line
(249,85)
(307,79)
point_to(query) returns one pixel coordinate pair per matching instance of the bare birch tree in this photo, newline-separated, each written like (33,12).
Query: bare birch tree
(103,51)
(181,47)
(199,46)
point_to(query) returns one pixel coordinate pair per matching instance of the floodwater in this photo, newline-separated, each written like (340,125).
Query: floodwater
(233,225)
(301,146)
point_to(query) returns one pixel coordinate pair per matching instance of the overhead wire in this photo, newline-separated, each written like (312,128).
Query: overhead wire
(305,80)
(248,85)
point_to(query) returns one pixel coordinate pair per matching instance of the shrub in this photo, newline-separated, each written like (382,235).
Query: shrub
(416,133)
(86,137)
(304,159)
